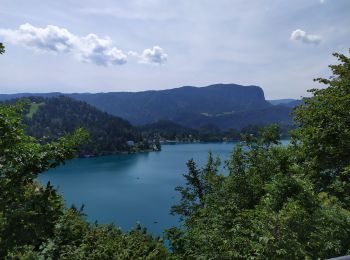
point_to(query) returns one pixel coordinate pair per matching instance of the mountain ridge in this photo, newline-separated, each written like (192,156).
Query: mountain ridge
(188,105)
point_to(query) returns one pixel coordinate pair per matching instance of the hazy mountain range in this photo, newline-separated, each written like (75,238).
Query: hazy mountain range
(289,102)
(223,105)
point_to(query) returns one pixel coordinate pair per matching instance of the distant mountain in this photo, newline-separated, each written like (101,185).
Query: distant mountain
(238,120)
(280,101)
(286,102)
(294,103)
(224,105)
(4,97)
(149,106)
(50,118)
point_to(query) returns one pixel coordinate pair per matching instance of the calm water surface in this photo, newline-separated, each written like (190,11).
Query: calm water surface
(131,188)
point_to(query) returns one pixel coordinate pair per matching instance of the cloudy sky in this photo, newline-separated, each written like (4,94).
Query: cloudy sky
(133,45)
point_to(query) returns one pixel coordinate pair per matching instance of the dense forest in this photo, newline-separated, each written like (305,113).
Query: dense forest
(172,131)
(50,118)
(277,202)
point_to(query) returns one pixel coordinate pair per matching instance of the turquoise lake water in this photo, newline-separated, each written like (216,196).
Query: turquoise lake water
(130,188)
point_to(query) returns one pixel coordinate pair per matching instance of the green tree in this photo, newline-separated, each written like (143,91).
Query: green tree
(199,182)
(28,210)
(264,208)
(2,48)
(324,132)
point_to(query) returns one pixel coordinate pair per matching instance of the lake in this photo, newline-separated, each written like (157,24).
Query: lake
(130,188)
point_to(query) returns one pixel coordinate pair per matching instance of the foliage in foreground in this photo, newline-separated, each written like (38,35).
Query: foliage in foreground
(2,48)
(34,224)
(279,202)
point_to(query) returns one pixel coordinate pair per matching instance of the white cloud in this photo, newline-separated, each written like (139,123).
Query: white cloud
(300,35)
(90,48)
(322,1)
(156,55)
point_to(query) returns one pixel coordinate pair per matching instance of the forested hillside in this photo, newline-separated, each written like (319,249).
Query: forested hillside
(206,133)
(238,120)
(149,106)
(50,118)
(224,105)
(286,102)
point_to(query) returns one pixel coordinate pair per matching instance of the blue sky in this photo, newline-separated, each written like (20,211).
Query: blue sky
(133,45)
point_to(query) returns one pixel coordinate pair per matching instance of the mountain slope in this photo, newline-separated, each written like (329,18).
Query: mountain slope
(56,116)
(286,102)
(225,105)
(167,128)
(281,101)
(238,120)
(149,106)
